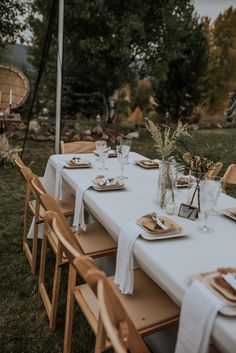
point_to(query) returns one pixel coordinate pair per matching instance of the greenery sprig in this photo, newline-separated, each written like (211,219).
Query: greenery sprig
(197,155)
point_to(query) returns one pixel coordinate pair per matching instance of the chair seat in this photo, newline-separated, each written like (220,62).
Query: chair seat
(96,240)
(67,205)
(149,307)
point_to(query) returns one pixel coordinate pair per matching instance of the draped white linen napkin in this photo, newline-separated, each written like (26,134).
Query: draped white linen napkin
(198,313)
(58,183)
(79,205)
(124,274)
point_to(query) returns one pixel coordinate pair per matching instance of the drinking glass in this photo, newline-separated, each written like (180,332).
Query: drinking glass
(126,145)
(103,154)
(100,146)
(210,192)
(122,156)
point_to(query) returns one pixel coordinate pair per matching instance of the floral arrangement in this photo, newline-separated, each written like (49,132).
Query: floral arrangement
(165,143)
(165,140)
(6,150)
(197,155)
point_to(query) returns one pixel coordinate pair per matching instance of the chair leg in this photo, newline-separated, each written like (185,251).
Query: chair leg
(26,247)
(26,216)
(56,289)
(100,337)
(35,239)
(69,310)
(50,306)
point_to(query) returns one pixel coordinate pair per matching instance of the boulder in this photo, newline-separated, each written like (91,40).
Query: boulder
(76,138)
(88,138)
(87,132)
(34,126)
(132,135)
(98,130)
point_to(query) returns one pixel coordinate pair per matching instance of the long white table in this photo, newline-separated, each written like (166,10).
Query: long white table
(168,262)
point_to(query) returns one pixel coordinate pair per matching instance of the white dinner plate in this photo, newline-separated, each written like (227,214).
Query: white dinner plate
(229,309)
(227,212)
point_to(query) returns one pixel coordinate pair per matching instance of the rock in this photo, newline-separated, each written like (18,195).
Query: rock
(105,137)
(98,130)
(88,138)
(21,126)
(112,140)
(41,138)
(219,126)
(132,135)
(195,127)
(76,138)
(34,127)
(87,132)
(119,138)
(77,126)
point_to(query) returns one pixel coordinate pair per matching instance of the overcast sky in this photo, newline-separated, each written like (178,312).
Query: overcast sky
(212,8)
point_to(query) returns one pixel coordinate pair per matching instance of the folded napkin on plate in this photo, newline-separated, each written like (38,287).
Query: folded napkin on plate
(198,313)
(79,205)
(124,274)
(78,162)
(149,223)
(108,182)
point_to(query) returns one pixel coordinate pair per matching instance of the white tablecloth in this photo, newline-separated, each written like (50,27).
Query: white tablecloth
(167,262)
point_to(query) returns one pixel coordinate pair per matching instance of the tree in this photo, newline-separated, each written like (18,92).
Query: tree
(109,43)
(11,20)
(180,73)
(222,63)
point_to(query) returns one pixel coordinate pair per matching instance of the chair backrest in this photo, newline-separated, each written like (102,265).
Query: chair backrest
(28,175)
(214,170)
(38,188)
(15,158)
(229,176)
(77,147)
(114,318)
(60,227)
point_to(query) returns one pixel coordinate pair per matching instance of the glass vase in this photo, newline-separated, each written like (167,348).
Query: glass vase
(166,183)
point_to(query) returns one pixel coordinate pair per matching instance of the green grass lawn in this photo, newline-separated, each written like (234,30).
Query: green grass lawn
(23,321)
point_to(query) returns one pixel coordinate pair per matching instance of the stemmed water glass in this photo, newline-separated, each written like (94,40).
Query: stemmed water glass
(126,146)
(210,192)
(122,156)
(103,154)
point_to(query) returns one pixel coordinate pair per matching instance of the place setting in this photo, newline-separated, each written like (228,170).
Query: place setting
(159,227)
(147,163)
(77,162)
(102,183)
(229,212)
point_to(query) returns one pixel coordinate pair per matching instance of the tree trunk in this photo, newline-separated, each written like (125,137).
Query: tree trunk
(106,103)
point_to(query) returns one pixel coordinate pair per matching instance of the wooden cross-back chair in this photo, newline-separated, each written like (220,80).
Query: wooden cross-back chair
(17,160)
(66,205)
(95,242)
(229,177)
(149,307)
(114,321)
(214,170)
(77,147)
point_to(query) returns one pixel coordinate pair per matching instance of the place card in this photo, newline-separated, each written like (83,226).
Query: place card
(188,211)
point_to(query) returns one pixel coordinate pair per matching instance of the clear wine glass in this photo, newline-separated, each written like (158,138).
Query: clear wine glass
(209,193)
(126,145)
(100,146)
(122,156)
(104,156)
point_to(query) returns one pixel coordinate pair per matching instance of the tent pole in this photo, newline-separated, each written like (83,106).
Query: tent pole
(59,75)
